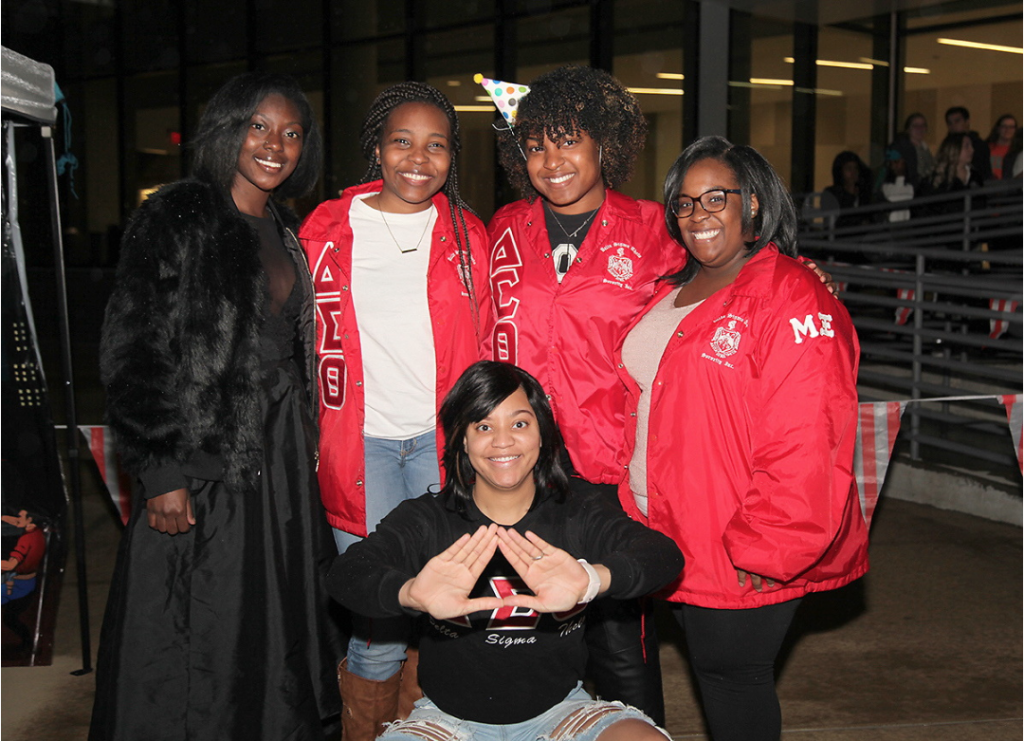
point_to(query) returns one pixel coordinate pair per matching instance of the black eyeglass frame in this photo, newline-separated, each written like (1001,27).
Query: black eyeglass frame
(673,205)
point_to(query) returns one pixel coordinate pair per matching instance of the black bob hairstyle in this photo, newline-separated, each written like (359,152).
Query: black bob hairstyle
(776,217)
(225,123)
(572,99)
(481,388)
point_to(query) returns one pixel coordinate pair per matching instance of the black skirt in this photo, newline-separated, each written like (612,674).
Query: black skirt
(226,632)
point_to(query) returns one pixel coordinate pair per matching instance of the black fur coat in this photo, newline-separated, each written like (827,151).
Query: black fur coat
(179,351)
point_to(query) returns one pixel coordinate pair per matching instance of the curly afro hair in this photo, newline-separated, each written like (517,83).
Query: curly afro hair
(572,99)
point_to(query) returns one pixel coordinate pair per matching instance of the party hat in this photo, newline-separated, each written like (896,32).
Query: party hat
(506,95)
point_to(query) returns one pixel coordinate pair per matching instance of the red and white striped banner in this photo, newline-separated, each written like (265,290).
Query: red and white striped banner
(1013,416)
(998,327)
(877,426)
(119,484)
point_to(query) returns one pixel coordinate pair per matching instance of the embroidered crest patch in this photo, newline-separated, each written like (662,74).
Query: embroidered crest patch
(620,267)
(726,341)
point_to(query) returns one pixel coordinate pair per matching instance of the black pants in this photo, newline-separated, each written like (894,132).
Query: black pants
(733,653)
(624,662)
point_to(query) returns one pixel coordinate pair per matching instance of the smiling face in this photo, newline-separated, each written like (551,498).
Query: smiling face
(567,174)
(415,156)
(269,154)
(503,448)
(715,240)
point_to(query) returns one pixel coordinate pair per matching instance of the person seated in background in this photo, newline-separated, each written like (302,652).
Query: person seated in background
(503,564)
(1000,146)
(894,186)
(851,188)
(914,149)
(958,121)
(954,166)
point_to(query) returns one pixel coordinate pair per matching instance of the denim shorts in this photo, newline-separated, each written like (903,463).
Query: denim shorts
(576,711)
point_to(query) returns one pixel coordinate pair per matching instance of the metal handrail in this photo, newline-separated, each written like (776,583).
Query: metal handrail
(925,295)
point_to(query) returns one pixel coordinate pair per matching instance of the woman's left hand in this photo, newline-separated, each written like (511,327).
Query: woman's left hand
(557,580)
(757,582)
(823,276)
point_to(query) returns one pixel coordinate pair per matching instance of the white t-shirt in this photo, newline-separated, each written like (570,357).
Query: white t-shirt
(389,294)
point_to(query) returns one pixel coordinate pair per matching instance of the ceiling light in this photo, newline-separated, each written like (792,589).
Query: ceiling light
(670,76)
(655,90)
(917,71)
(830,63)
(978,45)
(769,81)
(475,108)
(454,83)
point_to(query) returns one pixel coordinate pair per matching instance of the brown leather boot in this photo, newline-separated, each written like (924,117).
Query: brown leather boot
(409,690)
(366,704)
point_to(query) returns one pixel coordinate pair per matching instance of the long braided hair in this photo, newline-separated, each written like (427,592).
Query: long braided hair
(371,137)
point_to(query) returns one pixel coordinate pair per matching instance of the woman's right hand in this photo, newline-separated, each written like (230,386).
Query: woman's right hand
(171,513)
(442,587)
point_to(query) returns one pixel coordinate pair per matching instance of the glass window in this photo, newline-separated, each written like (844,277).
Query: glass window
(367,19)
(551,40)
(215,32)
(771,91)
(649,38)
(843,120)
(939,75)
(450,12)
(153,154)
(151,35)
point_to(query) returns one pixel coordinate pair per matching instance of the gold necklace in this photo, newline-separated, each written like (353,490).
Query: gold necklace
(399,246)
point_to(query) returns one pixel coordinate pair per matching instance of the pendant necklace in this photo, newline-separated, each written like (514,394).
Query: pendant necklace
(401,249)
(576,231)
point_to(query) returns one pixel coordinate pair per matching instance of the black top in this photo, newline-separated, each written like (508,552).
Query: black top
(509,665)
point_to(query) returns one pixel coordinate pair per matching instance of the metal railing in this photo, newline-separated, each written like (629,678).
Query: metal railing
(935,295)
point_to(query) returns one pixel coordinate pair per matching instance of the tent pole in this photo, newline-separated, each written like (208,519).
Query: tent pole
(74,471)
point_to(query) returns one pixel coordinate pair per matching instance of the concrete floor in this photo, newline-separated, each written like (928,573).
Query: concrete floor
(926,647)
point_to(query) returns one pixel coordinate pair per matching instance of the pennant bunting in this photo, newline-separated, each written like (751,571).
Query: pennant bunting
(119,484)
(1013,416)
(999,327)
(505,95)
(877,425)
(903,313)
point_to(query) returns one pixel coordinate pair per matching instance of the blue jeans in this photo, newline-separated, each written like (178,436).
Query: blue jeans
(577,718)
(396,470)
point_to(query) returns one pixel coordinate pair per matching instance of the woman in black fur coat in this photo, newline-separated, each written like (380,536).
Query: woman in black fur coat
(217,625)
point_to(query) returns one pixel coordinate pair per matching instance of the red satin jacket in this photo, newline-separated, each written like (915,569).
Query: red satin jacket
(326,237)
(564,333)
(751,438)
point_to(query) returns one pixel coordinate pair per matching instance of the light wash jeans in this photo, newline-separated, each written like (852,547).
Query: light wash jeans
(396,470)
(577,718)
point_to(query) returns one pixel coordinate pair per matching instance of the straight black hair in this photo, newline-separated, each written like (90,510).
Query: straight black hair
(479,390)
(225,122)
(776,217)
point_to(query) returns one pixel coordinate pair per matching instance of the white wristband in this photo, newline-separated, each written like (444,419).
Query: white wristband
(595,582)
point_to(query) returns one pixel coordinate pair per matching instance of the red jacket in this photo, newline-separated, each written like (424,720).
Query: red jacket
(564,333)
(751,436)
(327,238)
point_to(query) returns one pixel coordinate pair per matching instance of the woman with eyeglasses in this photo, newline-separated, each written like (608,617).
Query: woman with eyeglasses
(741,423)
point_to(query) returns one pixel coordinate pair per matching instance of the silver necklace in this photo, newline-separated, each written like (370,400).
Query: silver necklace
(399,246)
(577,229)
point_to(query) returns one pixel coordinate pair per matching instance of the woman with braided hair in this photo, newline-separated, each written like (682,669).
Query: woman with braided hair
(400,273)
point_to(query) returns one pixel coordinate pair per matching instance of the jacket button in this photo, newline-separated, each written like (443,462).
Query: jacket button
(547,396)
(547,255)
(359,482)
(579,260)
(344,288)
(632,414)
(359,383)
(620,365)
(604,222)
(444,239)
(529,223)
(679,334)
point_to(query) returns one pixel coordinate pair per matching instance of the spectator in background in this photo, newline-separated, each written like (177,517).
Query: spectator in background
(914,149)
(1000,145)
(851,187)
(954,170)
(958,121)
(894,185)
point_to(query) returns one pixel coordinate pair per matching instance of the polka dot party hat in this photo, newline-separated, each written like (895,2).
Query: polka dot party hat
(505,95)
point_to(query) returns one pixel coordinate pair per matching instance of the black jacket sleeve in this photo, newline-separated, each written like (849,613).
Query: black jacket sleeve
(641,560)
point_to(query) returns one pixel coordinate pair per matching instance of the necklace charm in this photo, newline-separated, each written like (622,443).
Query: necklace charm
(405,250)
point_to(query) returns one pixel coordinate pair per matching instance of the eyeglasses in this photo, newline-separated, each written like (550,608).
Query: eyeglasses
(711,201)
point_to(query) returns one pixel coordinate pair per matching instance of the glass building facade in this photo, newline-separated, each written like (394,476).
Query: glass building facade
(800,81)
